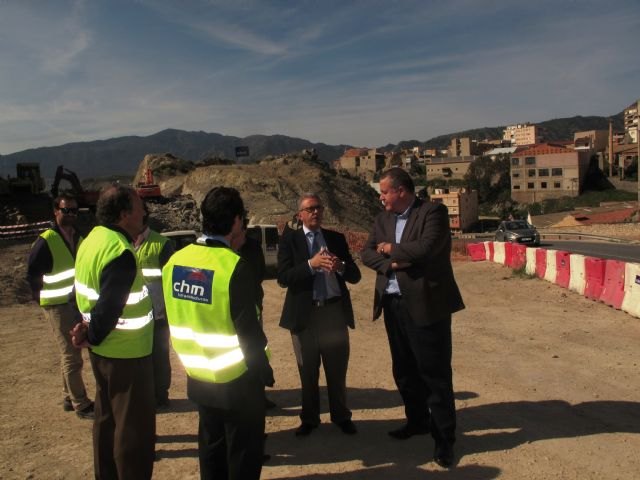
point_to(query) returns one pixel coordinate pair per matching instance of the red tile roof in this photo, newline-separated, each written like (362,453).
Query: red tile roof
(355,152)
(541,149)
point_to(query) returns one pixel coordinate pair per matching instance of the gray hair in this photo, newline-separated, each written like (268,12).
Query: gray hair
(306,195)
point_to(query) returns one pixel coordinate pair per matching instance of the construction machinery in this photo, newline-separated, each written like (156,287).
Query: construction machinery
(85,198)
(147,188)
(27,180)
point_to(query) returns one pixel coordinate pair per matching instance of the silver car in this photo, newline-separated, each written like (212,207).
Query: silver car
(517,231)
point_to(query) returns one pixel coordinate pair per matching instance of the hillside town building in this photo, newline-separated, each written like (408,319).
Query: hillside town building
(594,140)
(631,121)
(448,168)
(362,162)
(522,134)
(547,170)
(462,205)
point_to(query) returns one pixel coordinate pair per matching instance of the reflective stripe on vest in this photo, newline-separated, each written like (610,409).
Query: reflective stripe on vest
(196,292)
(57,284)
(151,272)
(148,254)
(132,336)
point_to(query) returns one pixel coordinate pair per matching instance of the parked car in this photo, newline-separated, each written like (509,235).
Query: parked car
(517,231)
(181,238)
(268,237)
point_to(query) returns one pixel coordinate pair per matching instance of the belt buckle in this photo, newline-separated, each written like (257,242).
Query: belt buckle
(318,303)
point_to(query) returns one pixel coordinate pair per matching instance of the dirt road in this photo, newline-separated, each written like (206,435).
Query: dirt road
(546,385)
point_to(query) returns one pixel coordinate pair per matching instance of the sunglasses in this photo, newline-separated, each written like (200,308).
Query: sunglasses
(68,211)
(313,208)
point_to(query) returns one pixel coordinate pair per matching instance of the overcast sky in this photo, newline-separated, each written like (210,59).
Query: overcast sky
(362,73)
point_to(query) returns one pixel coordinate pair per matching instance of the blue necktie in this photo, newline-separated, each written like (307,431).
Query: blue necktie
(319,282)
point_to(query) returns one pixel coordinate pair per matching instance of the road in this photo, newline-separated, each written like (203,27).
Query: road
(615,251)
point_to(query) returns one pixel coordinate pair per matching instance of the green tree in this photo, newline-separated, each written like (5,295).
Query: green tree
(491,178)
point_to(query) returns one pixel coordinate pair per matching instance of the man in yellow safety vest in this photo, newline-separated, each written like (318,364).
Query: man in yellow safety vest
(51,274)
(118,330)
(153,251)
(213,318)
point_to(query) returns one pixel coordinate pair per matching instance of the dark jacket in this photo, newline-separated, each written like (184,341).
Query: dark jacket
(295,274)
(428,286)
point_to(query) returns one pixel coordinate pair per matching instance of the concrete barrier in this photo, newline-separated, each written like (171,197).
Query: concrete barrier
(488,250)
(498,252)
(476,251)
(594,277)
(541,262)
(518,256)
(551,271)
(613,286)
(508,254)
(563,268)
(577,281)
(631,300)
(530,269)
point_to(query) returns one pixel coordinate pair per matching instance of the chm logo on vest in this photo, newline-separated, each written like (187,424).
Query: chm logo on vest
(193,284)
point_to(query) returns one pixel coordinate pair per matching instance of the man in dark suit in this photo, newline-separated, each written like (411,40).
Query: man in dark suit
(410,249)
(314,264)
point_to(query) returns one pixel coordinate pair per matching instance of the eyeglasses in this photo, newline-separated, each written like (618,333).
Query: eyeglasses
(313,208)
(68,211)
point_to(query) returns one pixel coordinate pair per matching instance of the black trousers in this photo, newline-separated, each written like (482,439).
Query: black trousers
(124,429)
(326,341)
(161,362)
(231,440)
(421,357)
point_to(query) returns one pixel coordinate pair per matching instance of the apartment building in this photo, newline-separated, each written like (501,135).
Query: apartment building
(522,134)
(460,147)
(363,162)
(448,168)
(631,121)
(547,170)
(462,205)
(596,140)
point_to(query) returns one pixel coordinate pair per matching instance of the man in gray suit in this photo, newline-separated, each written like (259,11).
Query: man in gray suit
(410,249)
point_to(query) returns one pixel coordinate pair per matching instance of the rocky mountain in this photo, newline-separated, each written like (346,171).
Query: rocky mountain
(122,155)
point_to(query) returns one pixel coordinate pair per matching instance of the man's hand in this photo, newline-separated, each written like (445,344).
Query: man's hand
(323,260)
(79,335)
(384,248)
(400,265)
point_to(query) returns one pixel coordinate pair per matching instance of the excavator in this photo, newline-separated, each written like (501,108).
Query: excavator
(85,198)
(147,189)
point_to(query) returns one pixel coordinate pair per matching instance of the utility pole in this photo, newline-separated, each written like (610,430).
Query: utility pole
(610,147)
(638,156)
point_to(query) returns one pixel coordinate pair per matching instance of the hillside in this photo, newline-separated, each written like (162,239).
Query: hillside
(122,155)
(555,129)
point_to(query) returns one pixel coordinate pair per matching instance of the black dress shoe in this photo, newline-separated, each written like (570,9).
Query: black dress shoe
(443,455)
(408,430)
(304,429)
(268,404)
(348,427)
(86,413)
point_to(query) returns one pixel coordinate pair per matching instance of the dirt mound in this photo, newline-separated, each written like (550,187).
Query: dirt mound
(270,188)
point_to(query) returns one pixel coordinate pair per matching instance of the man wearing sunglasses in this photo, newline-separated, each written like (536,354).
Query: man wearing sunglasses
(51,274)
(315,264)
